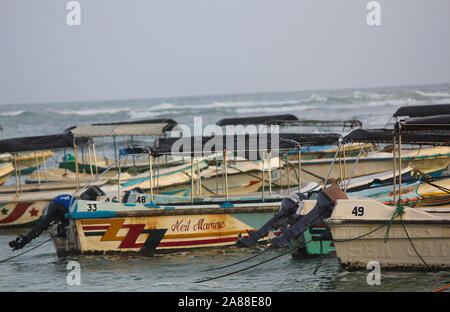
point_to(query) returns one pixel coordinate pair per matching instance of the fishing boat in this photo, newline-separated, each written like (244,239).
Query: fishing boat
(430,159)
(364,230)
(412,239)
(434,192)
(247,176)
(22,205)
(27,162)
(287,122)
(138,224)
(6,169)
(132,129)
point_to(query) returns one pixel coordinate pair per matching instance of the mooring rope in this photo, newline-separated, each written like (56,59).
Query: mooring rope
(241,270)
(242,261)
(252,257)
(399,211)
(319,262)
(410,240)
(26,251)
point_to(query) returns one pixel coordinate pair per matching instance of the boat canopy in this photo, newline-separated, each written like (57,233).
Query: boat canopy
(260,120)
(129,128)
(430,123)
(353,123)
(386,136)
(423,110)
(288,119)
(242,142)
(39,143)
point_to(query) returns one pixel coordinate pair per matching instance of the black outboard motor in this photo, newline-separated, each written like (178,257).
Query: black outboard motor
(53,213)
(288,214)
(127,193)
(322,210)
(92,193)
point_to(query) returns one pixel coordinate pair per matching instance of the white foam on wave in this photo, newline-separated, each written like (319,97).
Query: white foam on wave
(431,94)
(275,109)
(229,104)
(161,106)
(398,102)
(13,113)
(361,95)
(93,111)
(316,98)
(142,114)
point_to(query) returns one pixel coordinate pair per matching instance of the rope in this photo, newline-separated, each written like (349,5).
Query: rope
(217,277)
(26,251)
(319,262)
(227,266)
(427,178)
(241,270)
(417,253)
(399,211)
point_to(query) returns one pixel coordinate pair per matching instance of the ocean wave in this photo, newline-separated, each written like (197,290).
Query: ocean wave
(276,109)
(361,95)
(398,102)
(162,106)
(228,104)
(13,113)
(142,114)
(93,111)
(431,94)
(316,98)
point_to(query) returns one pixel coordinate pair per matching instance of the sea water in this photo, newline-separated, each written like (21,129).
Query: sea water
(41,270)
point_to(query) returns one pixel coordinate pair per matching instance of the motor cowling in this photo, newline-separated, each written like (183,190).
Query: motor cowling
(289,213)
(54,213)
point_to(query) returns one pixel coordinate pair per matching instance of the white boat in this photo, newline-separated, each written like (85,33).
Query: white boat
(417,239)
(20,204)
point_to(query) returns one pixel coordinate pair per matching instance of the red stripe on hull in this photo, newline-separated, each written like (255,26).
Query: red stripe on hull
(17,213)
(95,227)
(197,242)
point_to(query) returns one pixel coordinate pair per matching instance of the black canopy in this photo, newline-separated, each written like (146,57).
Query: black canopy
(241,142)
(431,123)
(38,143)
(386,136)
(259,120)
(170,123)
(423,110)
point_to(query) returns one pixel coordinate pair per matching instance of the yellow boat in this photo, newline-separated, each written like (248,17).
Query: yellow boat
(6,169)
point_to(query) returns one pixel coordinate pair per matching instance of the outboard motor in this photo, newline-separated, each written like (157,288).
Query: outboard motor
(322,210)
(53,213)
(290,214)
(92,193)
(127,193)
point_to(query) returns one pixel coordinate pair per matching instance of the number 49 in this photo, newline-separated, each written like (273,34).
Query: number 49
(358,211)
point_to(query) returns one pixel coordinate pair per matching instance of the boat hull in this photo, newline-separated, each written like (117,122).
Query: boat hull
(21,214)
(417,240)
(159,230)
(426,160)
(430,240)
(6,169)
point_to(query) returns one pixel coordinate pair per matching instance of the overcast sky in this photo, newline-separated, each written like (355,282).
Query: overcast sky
(163,48)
